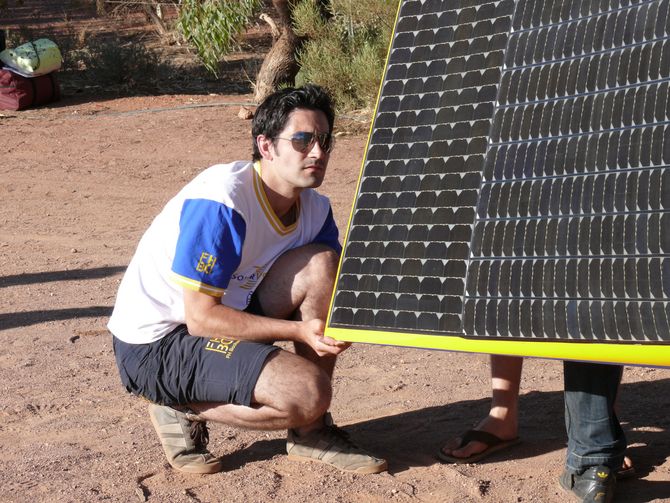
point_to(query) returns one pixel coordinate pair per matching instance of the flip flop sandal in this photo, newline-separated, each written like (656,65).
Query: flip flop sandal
(626,472)
(493,444)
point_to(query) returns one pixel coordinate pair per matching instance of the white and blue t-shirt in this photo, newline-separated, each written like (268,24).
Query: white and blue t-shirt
(218,235)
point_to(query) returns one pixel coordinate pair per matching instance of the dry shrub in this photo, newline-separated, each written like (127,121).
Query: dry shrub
(345,52)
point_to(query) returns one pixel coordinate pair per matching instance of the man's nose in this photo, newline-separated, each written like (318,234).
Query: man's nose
(316,150)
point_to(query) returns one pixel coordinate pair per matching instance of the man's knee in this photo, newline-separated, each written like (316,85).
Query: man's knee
(297,388)
(321,266)
(302,274)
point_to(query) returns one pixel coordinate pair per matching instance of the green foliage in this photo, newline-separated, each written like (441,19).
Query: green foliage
(308,21)
(213,25)
(347,53)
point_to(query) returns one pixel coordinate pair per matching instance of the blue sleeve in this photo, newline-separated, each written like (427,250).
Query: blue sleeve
(329,235)
(209,247)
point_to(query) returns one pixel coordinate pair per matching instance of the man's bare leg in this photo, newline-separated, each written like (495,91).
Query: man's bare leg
(305,276)
(503,418)
(292,391)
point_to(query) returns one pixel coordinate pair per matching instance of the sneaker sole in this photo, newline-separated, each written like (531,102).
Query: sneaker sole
(363,470)
(200,470)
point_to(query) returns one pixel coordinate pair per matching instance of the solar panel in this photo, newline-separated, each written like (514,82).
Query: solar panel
(515,186)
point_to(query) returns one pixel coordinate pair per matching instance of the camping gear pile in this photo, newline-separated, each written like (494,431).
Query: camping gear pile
(28,74)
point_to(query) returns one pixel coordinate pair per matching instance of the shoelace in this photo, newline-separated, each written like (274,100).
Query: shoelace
(199,434)
(339,434)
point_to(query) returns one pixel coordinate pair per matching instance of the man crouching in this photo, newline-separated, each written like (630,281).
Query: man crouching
(244,255)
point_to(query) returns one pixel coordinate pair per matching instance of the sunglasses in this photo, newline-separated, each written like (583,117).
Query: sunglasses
(303,141)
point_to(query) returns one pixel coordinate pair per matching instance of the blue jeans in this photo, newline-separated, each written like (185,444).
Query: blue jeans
(595,436)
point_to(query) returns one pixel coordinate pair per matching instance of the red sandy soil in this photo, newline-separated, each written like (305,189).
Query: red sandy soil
(79,183)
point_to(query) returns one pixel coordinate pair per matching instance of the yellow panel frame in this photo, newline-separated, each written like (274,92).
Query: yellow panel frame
(614,352)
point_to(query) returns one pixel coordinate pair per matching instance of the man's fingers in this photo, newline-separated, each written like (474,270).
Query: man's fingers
(324,348)
(334,342)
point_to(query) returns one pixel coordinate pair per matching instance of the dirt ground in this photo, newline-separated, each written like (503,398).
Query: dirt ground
(79,183)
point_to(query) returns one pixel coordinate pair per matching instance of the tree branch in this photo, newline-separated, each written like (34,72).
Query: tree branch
(273,26)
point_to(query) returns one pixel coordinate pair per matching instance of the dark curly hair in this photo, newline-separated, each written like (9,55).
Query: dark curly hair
(272,115)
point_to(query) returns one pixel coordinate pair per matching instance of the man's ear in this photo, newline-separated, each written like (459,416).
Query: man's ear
(265,147)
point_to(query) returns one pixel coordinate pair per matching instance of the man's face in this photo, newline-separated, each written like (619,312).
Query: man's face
(301,169)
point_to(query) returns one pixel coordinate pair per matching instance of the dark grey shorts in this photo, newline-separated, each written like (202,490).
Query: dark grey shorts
(180,368)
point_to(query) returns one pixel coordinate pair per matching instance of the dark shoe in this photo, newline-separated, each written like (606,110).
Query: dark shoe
(331,445)
(184,440)
(594,485)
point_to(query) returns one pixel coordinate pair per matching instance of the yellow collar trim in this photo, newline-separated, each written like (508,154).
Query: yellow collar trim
(270,214)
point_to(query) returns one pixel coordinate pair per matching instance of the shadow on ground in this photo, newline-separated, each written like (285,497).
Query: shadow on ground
(420,433)
(27,318)
(69,275)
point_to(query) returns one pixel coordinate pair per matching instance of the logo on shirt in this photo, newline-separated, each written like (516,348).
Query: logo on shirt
(253,279)
(206,263)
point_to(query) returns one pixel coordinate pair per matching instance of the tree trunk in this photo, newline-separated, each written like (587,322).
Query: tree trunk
(153,17)
(279,66)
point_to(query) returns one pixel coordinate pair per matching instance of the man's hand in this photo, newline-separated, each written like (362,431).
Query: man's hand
(207,317)
(312,335)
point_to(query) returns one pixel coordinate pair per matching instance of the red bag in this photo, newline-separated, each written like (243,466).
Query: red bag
(18,92)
